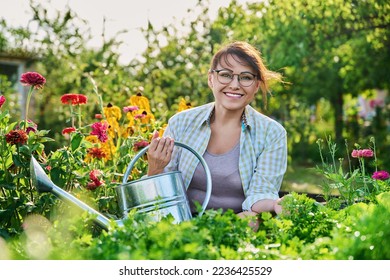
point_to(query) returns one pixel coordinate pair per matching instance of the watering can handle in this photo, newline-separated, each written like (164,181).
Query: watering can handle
(201,159)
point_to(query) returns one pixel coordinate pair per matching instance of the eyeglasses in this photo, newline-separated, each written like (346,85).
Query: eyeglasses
(225,77)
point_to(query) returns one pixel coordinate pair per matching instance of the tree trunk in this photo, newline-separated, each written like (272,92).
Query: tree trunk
(338,117)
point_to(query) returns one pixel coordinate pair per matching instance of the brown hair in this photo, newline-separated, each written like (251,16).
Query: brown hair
(248,55)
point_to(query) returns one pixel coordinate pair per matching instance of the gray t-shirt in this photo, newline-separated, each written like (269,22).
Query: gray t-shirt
(227,191)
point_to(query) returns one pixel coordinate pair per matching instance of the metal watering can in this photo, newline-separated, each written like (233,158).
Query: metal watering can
(158,195)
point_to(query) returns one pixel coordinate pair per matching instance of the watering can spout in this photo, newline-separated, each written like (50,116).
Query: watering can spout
(41,181)
(43,184)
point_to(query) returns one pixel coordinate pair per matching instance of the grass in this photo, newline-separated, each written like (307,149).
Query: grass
(302,179)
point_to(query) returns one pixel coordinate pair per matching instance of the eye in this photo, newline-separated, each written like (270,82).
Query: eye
(225,74)
(246,77)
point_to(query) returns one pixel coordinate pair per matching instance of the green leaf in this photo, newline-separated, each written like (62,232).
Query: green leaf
(76,141)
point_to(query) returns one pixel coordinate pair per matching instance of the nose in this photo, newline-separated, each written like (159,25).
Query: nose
(235,83)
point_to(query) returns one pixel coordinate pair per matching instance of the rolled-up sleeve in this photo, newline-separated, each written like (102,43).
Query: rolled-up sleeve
(269,169)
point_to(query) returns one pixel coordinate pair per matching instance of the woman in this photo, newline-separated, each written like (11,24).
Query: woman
(245,150)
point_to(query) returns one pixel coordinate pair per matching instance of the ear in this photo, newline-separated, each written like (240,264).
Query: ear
(258,85)
(210,80)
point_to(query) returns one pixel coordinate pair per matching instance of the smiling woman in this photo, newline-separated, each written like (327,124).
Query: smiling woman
(245,150)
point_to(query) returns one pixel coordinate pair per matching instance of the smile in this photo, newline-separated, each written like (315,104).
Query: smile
(232,94)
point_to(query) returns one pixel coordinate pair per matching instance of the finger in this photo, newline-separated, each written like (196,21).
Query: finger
(170,145)
(162,145)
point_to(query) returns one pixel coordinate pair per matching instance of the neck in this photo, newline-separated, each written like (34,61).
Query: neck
(224,117)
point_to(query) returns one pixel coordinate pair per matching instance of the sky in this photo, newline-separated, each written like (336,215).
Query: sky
(119,14)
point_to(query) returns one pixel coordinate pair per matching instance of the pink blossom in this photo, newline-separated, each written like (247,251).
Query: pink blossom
(139,116)
(381,175)
(365,153)
(100,130)
(130,109)
(2,100)
(33,79)
(95,175)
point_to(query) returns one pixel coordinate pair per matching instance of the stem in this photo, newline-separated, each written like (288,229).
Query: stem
(71,114)
(374,149)
(29,94)
(79,115)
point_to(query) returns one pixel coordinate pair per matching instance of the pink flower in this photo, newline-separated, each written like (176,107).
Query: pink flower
(100,130)
(95,175)
(33,79)
(381,175)
(130,109)
(365,153)
(139,116)
(2,100)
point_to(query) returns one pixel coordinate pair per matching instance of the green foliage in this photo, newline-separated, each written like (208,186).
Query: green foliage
(365,233)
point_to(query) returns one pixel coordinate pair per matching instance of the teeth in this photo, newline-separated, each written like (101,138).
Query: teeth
(233,94)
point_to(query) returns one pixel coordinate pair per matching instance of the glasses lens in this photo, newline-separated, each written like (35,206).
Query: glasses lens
(224,77)
(246,79)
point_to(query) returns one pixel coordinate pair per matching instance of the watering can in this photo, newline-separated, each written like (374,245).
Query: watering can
(157,195)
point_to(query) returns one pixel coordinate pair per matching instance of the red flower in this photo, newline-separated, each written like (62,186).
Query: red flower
(97,153)
(15,137)
(100,130)
(362,153)
(98,116)
(2,100)
(95,175)
(33,79)
(68,130)
(74,99)
(140,144)
(381,175)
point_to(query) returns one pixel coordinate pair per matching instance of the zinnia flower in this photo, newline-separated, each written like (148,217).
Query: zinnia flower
(381,175)
(68,130)
(140,144)
(100,130)
(74,99)
(362,153)
(98,153)
(33,79)
(95,175)
(130,109)
(15,137)
(2,100)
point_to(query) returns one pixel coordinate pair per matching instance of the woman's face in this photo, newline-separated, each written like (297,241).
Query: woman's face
(232,96)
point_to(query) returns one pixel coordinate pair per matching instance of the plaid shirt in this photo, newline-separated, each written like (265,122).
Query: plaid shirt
(263,150)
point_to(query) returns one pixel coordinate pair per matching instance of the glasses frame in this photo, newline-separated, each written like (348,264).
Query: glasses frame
(238,76)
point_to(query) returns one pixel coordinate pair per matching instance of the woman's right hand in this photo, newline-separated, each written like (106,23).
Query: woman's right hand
(159,153)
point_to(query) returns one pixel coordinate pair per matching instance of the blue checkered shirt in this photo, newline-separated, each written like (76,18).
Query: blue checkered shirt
(263,150)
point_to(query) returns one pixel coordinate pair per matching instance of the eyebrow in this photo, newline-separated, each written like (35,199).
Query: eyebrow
(239,73)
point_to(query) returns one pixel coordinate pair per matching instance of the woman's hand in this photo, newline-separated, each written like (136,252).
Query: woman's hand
(267,205)
(159,153)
